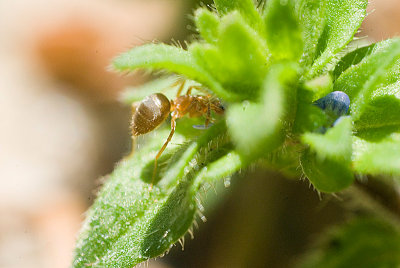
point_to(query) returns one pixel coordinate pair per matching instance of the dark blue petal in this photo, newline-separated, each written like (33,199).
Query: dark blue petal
(336,103)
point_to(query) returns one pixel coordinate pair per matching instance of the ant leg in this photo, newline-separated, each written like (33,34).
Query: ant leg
(199,88)
(173,125)
(189,91)
(133,146)
(178,82)
(208,116)
(182,85)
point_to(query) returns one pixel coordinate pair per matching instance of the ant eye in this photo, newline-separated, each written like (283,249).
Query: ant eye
(222,107)
(336,103)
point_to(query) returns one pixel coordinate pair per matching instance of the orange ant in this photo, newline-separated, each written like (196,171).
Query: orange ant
(154,109)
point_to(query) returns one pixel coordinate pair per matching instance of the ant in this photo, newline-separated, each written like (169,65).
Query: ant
(154,110)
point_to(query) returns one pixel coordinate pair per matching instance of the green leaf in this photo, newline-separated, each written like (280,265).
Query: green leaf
(327,162)
(326,175)
(283,34)
(129,223)
(342,18)
(207,24)
(361,80)
(257,128)
(311,15)
(382,109)
(253,133)
(158,56)
(285,161)
(166,85)
(160,85)
(351,59)
(335,143)
(173,59)
(238,60)
(246,8)
(319,86)
(364,242)
(309,117)
(231,162)
(377,153)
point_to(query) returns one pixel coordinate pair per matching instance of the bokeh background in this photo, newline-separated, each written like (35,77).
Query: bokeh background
(62,130)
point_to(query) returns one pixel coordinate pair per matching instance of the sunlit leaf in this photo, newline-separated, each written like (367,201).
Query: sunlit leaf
(173,59)
(129,222)
(207,24)
(359,81)
(167,85)
(283,33)
(377,153)
(340,19)
(352,59)
(257,128)
(245,7)
(327,162)
(241,67)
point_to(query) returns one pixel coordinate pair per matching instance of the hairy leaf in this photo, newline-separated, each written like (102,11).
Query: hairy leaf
(310,117)
(319,86)
(341,21)
(311,15)
(377,153)
(360,80)
(245,7)
(129,223)
(257,128)
(371,103)
(167,85)
(160,85)
(158,56)
(335,143)
(382,109)
(327,162)
(207,24)
(351,59)
(283,34)
(174,59)
(241,67)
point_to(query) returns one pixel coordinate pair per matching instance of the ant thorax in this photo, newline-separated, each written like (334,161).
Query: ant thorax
(195,106)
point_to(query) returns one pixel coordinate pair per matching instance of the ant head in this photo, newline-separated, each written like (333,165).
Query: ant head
(218,107)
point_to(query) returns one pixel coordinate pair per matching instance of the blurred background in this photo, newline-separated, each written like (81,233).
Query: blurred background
(63,129)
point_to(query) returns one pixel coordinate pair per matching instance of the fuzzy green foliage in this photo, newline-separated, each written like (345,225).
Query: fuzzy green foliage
(264,118)
(268,64)
(130,223)
(236,67)
(283,31)
(327,162)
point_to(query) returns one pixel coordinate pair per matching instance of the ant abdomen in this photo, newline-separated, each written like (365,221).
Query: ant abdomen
(150,113)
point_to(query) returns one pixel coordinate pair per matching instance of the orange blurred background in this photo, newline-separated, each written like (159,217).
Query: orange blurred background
(62,129)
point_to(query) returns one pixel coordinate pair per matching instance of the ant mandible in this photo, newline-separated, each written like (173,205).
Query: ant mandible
(154,110)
